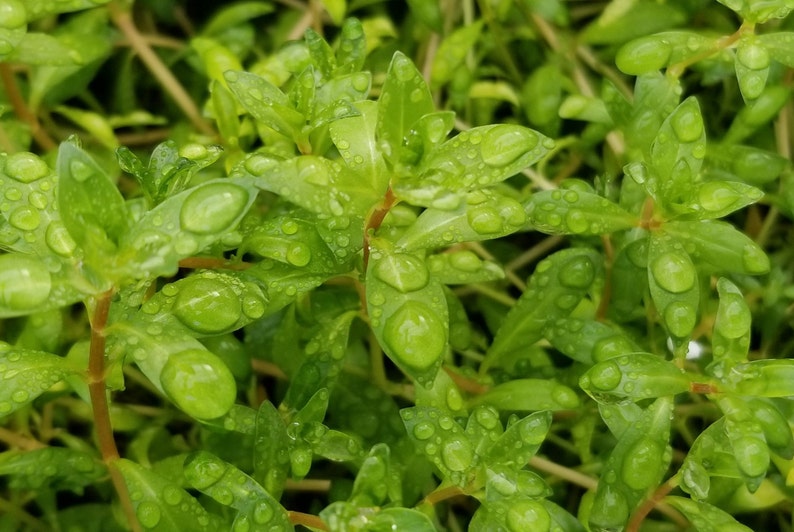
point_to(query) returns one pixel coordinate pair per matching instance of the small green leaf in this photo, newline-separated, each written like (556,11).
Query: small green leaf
(227,17)
(400,519)
(529,394)
(557,286)
(404,99)
(271,455)
(706,517)
(520,440)
(463,267)
(90,204)
(750,164)
(719,247)
(762,378)
(575,212)
(354,137)
(451,53)
(654,52)
(622,21)
(674,285)
(28,374)
(752,67)
(757,113)
(444,395)
(265,102)
(55,468)
(371,486)
(161,505)
(717,199)
(428,12)
(231,487)
(352,49)
(633,377)
(730,339)
(588,341)
(336,8)
(94,123)
(779,46)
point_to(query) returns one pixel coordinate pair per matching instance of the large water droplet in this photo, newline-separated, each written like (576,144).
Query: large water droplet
(641,464)
(424,430)
(415,335)
(680,318)
(527,515)
(457,454)
(202,470)
(674,272)
(25,283)
(12,14)
(484,220)
(754,259)
(753,56)
(26,167)
(172,495)
(207,305)
(403,68)
(687,124)
(466,261)
(79,170)
(299,255)
(403,272)
(148,514)
(199,383)
(752,455)
(212,208)
(733,316)
(579,273)
(605,376)
(504,144)
(25,218)
(263,513)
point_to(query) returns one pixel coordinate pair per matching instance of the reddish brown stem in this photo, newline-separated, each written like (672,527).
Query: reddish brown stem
(21,109)
(376,219)
(606,293)
(307,520)
(646,507)
(443,494)
(99,403)
(212,263)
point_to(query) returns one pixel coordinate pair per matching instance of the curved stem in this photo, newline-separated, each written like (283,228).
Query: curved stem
(123,20)
(654,501)
(99,403)
(307,520)
(22,110)
(375,220)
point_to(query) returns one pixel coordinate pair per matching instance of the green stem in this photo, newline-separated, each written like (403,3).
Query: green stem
(99,402)
(22,110)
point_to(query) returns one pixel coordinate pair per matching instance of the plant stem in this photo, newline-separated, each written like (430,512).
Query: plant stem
(212,263)
(99,403)
(123,20)
(442,494)
(375,220)
(307,520)
(654,501)
(13,439)
(22,110)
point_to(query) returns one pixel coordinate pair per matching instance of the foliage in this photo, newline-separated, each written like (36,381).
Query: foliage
(366,266)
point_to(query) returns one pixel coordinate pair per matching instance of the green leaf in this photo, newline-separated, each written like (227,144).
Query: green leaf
(706,517)
(758,10)
(674,284)
(371,487)
(451,217)
(635,466)
(228,17)
(55,468)
(160,504)
(354,137)
(719,247)
(452,52)
(38,9)
(463,267)
(400,519)
(757,113)
(752,67)
(762,378)
(408,313)
(271,453)
(779,45)
(717,199)
(91,207)
(520,441)
(352,51)
(428,12)
(336,8)
(323,59)
(404,99)
(442,440)
(750,164)
(529,394)
(588,341)
(27,374)
(633,377)
(514,514)
(265,102)
(625,20)
(660,50)
(575,212)
(557,286)
(231,487)
(730,340)
(747,440)
(42,49)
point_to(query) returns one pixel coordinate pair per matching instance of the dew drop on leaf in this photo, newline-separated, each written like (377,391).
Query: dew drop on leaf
(148,514)
(754,259)
(457,454)
(263,513)
(753,56)
(674,272)
(641,464)
(579,273)
(25,283)
(504,144)
(403,272)
(202,470)
(212,208)
(172,495)
(733,317)
(299,255)
(687,125)
(80,171)
(26,167)
(752,455)
(576,221)
(680,318)
(199,383)
(484,220)
(415,335)
(605,376)
(527,515)
(25,218)
(207,306)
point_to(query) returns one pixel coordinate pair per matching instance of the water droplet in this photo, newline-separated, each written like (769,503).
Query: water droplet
(360,82)
(571,196)
(484,220)
(752,455)
(576,221)
(241,524)
(733,316)
(641,464)
(611,347)
(687,124)
(79,170)
(258,164)
(403,68)
(457,454)
(172,495)
(25,282)
(754,259)
(503,144)
(753,56)
(223,495)
(148,514)
(212,208)
(199,383)
(680,318)
(415,335)
(25,218)
(466,261)
(674,272)
(532,430)
(454,400)
(13,194)
(605,376)
(403,272)
(417,94)
(564,397)
(12,14)
(253,307)
(299,255)
(38,200)
(524,515)
(424,430)
(263,513)
(207,305)
(487,417)
(20,396)
(577,274)
(26,167)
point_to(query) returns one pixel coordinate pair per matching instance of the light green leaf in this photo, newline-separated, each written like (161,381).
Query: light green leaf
(588,341)
(51,468)
(265,102)
(453,51)
(529,394)
(354,137)
(706,517)
(271,454)
(633,377)
(576,212)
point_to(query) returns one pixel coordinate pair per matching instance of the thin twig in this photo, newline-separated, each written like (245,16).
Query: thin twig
(22,110)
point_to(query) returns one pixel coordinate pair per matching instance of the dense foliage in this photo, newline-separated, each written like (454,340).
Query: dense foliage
(362,265)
